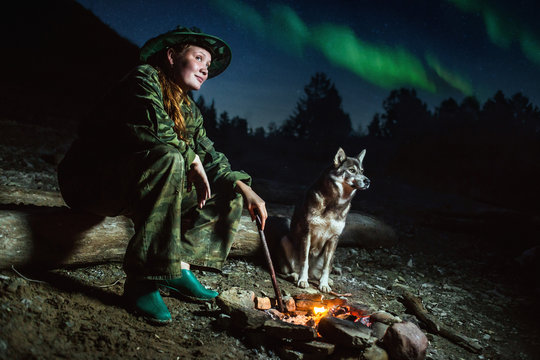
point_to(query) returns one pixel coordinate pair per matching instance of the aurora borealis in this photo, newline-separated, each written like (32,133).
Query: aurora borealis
(446,48)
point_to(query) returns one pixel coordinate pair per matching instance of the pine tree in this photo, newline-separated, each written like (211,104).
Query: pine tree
(319,116)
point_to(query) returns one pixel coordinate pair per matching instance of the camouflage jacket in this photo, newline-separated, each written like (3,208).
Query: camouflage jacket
(132,118)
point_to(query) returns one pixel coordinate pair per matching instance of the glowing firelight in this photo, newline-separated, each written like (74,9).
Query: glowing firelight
(319,310)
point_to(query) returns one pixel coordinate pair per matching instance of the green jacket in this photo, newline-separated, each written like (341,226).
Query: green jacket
(132,118)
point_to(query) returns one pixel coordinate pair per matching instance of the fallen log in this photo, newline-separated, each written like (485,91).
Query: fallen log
(414,305)
(37,228)
(366,231)
(51,237)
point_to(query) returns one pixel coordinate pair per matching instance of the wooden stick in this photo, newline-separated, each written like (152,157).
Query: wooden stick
(340,295)
(415,306)
(270,265)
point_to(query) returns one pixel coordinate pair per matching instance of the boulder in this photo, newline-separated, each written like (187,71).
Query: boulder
(405,341)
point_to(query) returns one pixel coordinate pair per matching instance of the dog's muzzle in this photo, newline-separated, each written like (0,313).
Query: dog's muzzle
(363,184)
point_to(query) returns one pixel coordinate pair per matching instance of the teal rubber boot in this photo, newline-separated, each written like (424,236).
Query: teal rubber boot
(188,286)
(143,298)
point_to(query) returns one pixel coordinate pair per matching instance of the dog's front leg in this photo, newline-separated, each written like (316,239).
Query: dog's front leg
(329,249)
(304,261)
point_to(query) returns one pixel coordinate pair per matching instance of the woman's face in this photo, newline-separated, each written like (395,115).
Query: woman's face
(190,67)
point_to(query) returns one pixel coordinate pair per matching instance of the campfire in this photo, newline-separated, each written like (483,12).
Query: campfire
(311,323)
(308,310)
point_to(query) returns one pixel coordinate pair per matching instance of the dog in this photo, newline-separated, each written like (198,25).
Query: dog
(318,221)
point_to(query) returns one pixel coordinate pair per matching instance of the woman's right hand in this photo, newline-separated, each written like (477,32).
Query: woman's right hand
(197,176)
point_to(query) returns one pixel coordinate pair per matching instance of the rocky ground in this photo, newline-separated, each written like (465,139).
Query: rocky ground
(77,313)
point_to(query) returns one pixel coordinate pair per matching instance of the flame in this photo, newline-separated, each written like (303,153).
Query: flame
(319,310)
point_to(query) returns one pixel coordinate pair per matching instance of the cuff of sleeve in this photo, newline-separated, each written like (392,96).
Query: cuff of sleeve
(234,176)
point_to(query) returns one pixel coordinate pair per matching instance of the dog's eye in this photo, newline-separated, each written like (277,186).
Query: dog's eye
(352,170)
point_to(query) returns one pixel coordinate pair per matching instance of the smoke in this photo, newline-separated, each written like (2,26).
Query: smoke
(385,66)
(502,29)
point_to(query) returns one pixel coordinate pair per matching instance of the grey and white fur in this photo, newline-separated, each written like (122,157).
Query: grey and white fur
(318,221)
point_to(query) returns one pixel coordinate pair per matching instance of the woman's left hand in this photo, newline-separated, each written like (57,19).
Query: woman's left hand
(253,202)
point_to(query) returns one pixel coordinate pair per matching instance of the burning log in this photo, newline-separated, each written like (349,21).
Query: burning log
(415,306)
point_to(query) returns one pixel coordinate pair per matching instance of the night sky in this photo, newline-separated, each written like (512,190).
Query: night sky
(445,48)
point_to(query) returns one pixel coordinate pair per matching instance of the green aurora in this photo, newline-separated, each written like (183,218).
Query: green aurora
(382,65)
(502,29)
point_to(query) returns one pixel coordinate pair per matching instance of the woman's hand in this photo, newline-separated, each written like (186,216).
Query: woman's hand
(253,202)
(197,176)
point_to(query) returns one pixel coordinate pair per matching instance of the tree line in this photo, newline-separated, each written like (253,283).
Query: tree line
(489,150)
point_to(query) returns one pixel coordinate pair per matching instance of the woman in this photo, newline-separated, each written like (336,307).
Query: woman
(140,152)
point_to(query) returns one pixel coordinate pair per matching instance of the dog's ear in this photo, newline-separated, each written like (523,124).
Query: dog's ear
(360,156)
(340,157)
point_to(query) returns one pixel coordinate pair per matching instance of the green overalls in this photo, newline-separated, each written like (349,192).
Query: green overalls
(129,161)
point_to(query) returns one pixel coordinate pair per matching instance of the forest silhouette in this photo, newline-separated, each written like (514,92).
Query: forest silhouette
(486,151)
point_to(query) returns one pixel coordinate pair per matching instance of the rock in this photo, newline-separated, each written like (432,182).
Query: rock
(344,332)
(384,317)
(248,319)
(285,330)
(375,353)
(262,303)
(379,329)
(275,314)
(317,347)
(239,304)
(289,304)
(405,341)
(235,298)
(289,354)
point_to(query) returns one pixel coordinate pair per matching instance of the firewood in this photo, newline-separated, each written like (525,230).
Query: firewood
(414,305)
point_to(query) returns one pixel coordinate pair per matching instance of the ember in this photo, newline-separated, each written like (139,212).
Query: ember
(310,309)
(319,310)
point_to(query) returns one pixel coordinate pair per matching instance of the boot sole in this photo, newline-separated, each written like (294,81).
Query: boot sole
(170,291)
(150,320)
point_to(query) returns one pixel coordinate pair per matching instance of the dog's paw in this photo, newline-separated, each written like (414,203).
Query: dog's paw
(303,284)
(294,277)
(325,288)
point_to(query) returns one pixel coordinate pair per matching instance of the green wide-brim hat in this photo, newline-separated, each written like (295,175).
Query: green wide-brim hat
(221,52)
